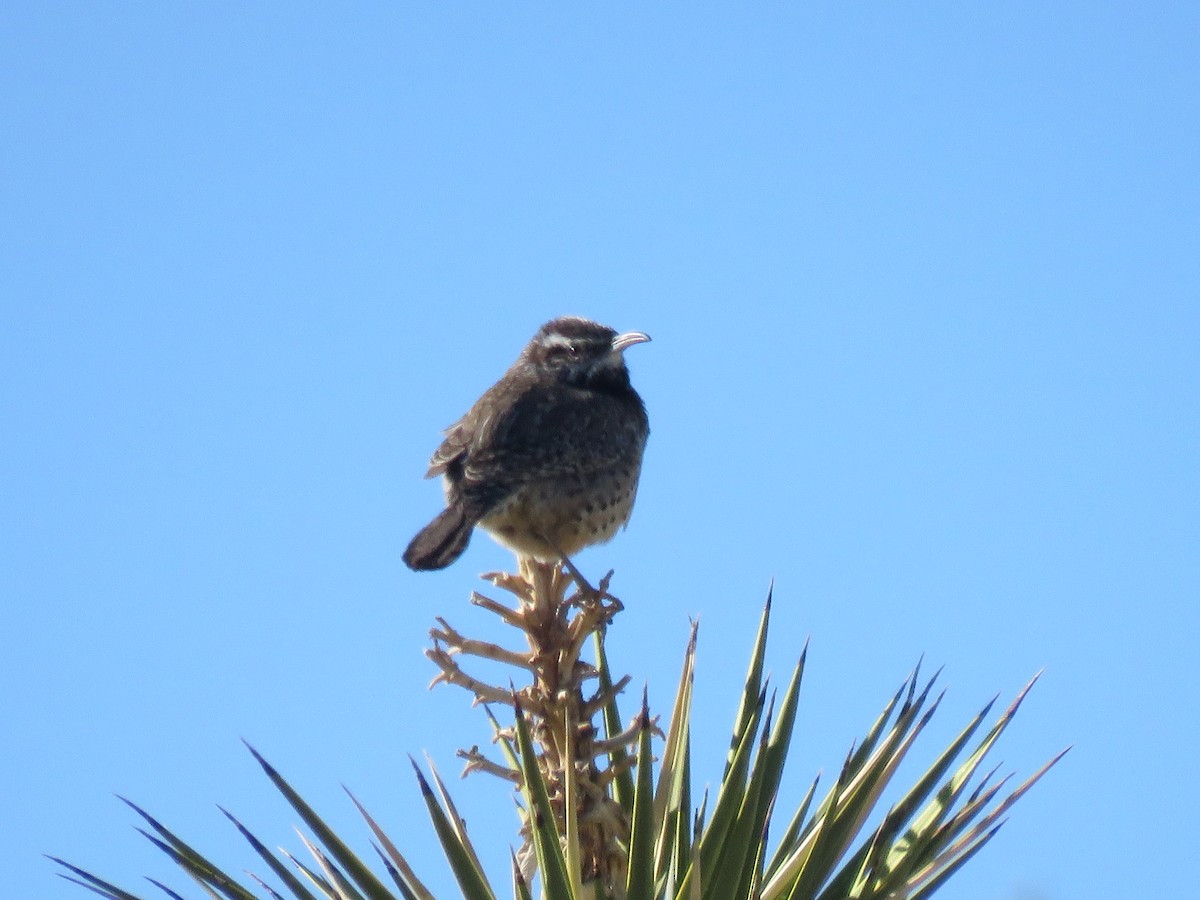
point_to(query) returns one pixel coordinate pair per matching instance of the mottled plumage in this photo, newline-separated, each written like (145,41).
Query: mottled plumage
(547,460)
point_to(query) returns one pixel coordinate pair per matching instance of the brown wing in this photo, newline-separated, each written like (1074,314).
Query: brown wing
(464,437)
(457,440)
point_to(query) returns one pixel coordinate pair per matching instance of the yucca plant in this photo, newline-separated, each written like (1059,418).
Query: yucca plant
(601,817)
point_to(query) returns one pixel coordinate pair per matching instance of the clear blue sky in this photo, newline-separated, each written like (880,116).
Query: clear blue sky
(924,286)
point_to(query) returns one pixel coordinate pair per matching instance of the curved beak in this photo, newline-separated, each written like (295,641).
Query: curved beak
(621,341)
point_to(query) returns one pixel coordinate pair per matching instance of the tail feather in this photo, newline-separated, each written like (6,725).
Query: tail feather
(440,542)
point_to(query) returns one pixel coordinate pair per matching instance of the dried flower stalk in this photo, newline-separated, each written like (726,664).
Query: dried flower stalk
(556,611)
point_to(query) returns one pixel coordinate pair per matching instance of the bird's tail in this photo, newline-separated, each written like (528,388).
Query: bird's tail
(442,541)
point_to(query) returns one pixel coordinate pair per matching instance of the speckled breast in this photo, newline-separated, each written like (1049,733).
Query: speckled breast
(546,518)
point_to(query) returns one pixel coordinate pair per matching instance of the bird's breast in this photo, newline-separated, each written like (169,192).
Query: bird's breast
(563,515)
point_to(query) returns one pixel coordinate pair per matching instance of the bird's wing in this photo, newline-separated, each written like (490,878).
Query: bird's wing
(478,427)
(453,447)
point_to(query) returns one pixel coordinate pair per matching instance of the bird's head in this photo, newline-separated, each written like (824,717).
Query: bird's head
(581,352)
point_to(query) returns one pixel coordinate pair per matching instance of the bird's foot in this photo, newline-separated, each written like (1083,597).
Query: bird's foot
(587,595)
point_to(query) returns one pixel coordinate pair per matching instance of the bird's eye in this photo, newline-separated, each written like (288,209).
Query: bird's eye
(573,348)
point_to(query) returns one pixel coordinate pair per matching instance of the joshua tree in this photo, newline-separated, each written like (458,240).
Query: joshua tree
(602,817)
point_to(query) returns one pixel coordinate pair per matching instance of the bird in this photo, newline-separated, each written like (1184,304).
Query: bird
(547,460)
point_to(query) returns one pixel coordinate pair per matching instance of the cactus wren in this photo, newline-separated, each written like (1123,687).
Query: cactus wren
(547,460)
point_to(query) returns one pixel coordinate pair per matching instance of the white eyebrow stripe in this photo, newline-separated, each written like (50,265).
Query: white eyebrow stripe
(558,340)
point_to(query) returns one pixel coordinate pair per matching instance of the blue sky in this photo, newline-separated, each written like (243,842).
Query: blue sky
(923,283)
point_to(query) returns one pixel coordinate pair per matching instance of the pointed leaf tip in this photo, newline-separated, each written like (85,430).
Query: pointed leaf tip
(422,782)
(271,771)
(1028,687)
